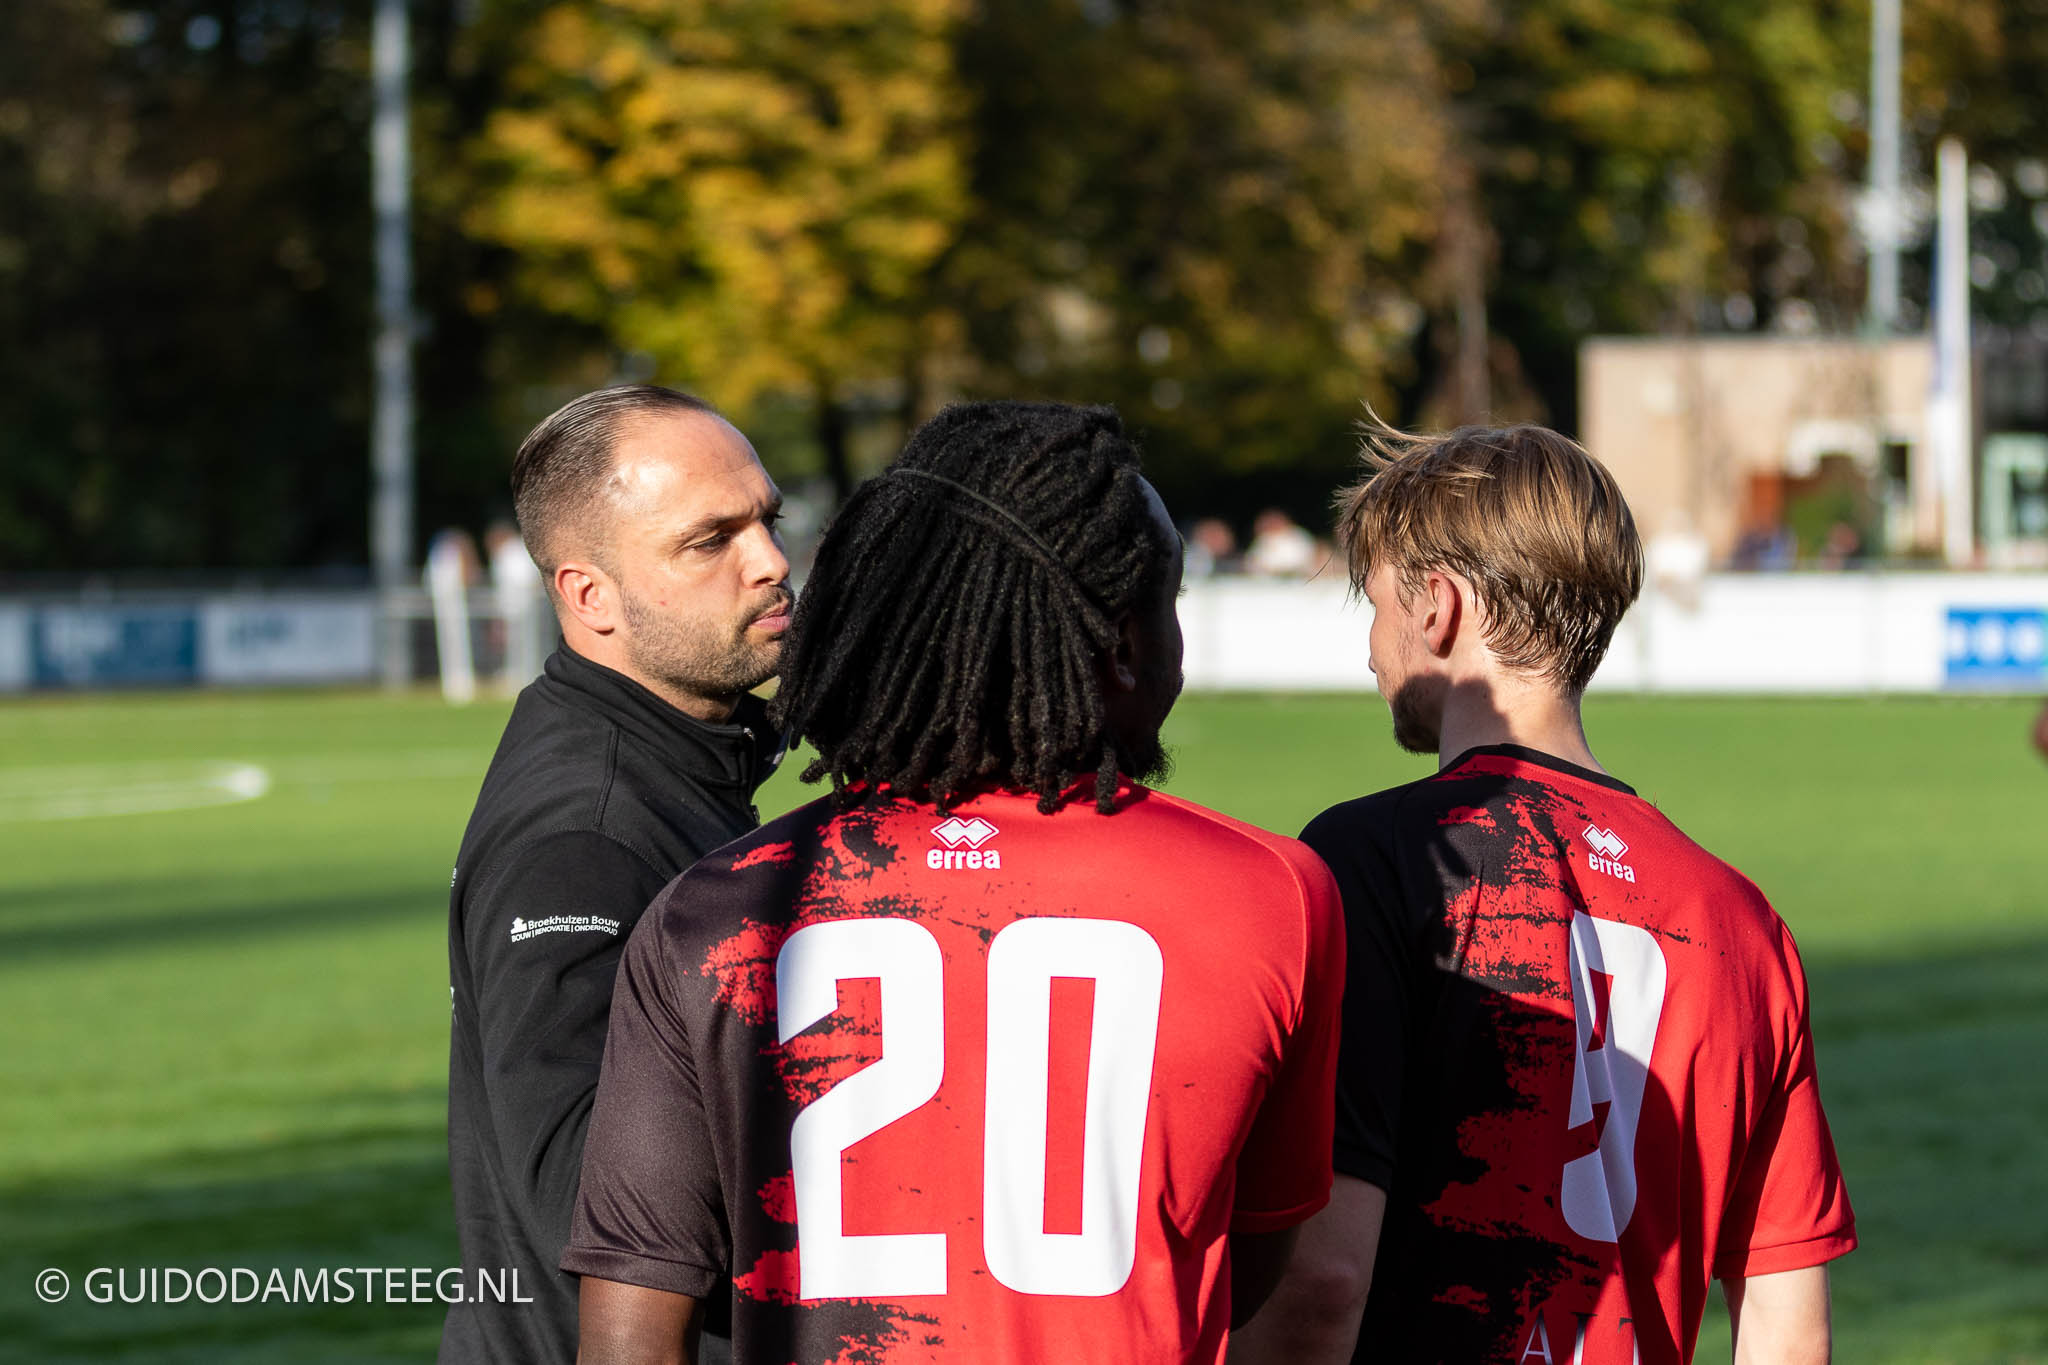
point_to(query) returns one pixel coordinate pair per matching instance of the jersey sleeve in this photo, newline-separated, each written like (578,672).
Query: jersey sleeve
(1789,1208)
(650,1212)
(1380,976)
(1283,1171)
(542,1001)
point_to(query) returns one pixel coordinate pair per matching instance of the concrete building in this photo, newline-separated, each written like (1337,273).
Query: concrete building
(1733,440)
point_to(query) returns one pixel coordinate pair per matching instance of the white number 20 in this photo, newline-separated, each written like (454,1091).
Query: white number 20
(1125,964)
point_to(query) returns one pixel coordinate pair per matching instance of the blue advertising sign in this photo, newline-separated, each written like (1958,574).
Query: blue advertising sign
(2000,647)
(115,646)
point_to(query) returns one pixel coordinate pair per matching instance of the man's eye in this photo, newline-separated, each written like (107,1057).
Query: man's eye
(772,519)
(712,543)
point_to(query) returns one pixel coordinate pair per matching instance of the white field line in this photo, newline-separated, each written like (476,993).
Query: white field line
(400,765)
(87,790)
(82,793)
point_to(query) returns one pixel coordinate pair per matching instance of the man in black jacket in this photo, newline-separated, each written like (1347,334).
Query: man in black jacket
(635,753)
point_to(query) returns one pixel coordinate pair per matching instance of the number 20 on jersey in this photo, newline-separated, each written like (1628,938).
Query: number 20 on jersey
(1124,963)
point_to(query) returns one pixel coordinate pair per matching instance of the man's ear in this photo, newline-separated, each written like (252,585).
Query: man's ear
(1121,667)
(589,596)
(1444,613)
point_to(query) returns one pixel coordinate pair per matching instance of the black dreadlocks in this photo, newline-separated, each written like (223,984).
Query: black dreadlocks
(955,620)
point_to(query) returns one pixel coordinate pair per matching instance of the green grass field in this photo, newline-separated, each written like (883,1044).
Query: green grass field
(227,1025)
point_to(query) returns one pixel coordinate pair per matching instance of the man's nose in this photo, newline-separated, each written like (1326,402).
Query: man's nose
(766,563)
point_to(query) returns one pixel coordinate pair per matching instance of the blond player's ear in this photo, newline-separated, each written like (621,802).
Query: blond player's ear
(588,595)
(1443,612)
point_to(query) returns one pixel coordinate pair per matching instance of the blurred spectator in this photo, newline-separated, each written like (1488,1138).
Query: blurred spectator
(452,569)
(1843,548)
(1279,548)
(2041,730)
(1211,549)
(526,627)
(1765,549)
(1677,559)
(452,555)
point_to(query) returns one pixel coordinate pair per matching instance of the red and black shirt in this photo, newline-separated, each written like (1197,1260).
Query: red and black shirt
(990,1084)
(1576,1054)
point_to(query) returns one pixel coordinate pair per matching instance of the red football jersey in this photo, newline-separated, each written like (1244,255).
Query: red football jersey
(988,1085)
(1576,1054)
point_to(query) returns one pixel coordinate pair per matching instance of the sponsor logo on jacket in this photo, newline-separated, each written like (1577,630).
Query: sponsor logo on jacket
(524,929)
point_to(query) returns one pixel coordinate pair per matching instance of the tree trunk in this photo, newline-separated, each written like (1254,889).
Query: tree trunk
(833,433)
(1467,261)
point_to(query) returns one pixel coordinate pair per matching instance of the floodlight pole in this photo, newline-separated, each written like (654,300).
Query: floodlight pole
(1885,214)
(1953,410)
(391,440)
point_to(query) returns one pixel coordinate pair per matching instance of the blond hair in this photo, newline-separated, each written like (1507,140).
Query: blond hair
(1535,524)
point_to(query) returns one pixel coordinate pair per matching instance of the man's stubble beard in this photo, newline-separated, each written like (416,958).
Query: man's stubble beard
(1414,728)
(698,656)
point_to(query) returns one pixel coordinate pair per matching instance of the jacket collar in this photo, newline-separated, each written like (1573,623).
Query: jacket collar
(738,753)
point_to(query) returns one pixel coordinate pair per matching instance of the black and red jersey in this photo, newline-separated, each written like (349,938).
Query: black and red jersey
(988,1084)
(1576,1053)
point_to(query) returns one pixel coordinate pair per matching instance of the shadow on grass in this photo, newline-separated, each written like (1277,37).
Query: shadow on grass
(91,919)
(1930,1069)
(1937,984)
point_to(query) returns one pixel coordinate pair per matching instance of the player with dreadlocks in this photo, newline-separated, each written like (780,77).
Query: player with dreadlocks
(1038,556)
(955,1063)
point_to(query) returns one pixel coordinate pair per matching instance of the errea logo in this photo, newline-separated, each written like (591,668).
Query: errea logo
(963,840)
(973,833)
(1604,852)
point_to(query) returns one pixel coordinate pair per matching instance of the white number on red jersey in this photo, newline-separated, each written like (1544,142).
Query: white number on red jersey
(1126,966)
(905,958)
(1623,964)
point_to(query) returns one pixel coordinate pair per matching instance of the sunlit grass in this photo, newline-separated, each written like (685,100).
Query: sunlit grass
(228,1025)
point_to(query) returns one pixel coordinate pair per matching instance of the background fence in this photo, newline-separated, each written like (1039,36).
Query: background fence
(1730,633)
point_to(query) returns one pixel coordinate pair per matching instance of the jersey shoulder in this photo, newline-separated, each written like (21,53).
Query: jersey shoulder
(1225,834)
(1737,907)
(1690,884)
(1382,821)
(754,873)
(765,843)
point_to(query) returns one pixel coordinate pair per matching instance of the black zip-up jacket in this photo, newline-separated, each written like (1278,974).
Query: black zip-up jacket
(600,794)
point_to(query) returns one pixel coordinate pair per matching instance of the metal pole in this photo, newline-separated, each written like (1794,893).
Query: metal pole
(391,457)
(1954,411)
(1885,227)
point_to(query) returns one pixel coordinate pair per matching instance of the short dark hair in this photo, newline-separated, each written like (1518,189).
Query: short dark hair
(1537,525)
(564,462)
(955,620)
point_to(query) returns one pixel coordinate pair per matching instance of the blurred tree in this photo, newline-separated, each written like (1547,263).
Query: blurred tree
(752,193)
(1234,221)
(1972,70)
(181,339)
(184,279)
(1208,213)
(1648,165)
(1237,221)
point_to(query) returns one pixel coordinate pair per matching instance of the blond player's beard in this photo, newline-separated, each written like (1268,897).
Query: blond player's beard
(1415,729)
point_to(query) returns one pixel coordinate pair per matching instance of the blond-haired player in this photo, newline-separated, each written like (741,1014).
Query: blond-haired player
(1577,1081)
